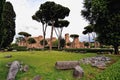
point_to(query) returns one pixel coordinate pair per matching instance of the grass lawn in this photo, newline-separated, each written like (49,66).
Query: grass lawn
(43,63)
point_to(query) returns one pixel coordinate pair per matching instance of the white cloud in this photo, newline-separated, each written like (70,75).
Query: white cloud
(26,8)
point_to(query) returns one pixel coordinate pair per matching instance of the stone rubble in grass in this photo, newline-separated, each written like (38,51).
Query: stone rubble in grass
(59,79)
(98,61)
(8,56)
(38,77)
(25,68)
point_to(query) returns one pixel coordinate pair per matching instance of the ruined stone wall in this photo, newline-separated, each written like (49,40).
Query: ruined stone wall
(74,44)
(67,40)
(35,45)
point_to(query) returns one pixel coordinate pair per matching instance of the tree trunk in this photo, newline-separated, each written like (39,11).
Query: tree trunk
(51,35)
(89,39)
(94,40)
(60,36)
(58,42)
(43,37)
(44,34)
(116,50)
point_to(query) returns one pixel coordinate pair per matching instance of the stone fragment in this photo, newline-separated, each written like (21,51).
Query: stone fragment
(78,72)
(8,56)
(37,77)
(13,70)
(25,68)
(66,64)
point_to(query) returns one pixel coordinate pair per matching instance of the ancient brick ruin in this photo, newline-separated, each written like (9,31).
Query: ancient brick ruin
(35,45)
(75,43)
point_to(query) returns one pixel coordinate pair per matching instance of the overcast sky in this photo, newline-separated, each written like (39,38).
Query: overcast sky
(24,10)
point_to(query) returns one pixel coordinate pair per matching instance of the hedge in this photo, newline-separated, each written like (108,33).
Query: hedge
(101,50)
(20,48)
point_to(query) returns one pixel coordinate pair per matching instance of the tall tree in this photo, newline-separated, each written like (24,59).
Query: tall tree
(52,13)
(31,41)
(39,17)
(74,36)
(8,25)
(2,2)
(87,30)
(20,39)
(1,9)
(25,34)
(58,27)
(106,17)
(41,42)
(62,43)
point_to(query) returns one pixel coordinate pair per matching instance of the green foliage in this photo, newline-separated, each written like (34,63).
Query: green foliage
(1,11)
(62,43)
(14,45)
(41,42)
(20,48)
(55,43)
(111,73)
(68,44)
(19,39)
(53,11)
(31,40)
(24,34)
(88,29)
(7,28)
(103,50)
(105,15)
(60,23)
(74,35)
(86,44)
(50,12)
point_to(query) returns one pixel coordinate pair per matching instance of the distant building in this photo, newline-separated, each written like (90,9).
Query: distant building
(69,44)
(74,44)
(34,45)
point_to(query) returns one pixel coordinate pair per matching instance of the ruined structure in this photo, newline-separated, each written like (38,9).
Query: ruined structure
(34,45)
(67,41)
(74,44)
(69,44)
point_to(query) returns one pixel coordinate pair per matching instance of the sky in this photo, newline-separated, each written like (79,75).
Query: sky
(24,10)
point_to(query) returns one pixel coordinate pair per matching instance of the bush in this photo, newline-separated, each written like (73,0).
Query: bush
(90,50)
(111,73)
(41,42)
(20,48)
(55,43)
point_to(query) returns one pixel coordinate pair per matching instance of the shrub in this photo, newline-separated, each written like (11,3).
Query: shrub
(86,44)
(55,43)
(31,40)
(20,48)
(41,42)
(90,50)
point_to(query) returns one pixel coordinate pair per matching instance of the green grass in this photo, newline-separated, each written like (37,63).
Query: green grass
(111,73)
(43,63)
